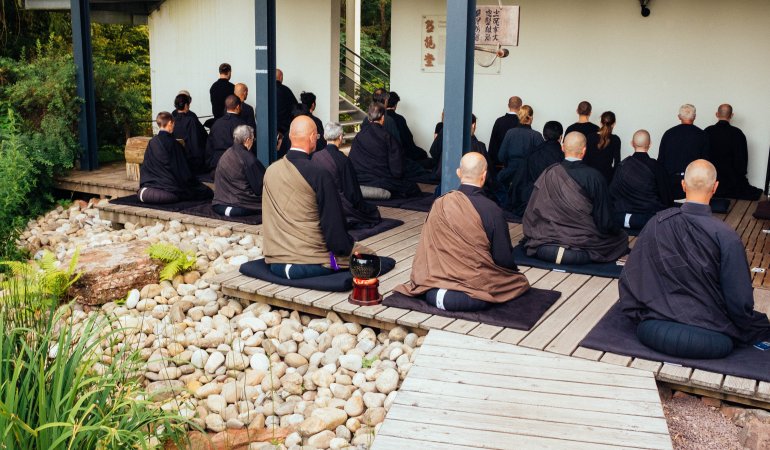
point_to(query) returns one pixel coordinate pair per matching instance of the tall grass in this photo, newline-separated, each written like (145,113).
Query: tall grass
(59,389)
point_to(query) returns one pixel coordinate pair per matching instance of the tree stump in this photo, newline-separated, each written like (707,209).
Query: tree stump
(110,272)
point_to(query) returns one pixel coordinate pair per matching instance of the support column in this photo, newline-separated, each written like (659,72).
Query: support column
(84,68)
(353,36)
(458,87)
(264,45)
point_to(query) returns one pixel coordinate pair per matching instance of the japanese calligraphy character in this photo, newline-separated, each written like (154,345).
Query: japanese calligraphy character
(429,58)
(429,42)
(429,27)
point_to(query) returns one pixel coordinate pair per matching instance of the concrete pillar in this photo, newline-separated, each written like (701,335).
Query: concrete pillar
(353,35)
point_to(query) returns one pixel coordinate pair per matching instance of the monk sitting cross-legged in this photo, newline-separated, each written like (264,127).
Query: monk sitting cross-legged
(687,282)
(464,261)
(569,217)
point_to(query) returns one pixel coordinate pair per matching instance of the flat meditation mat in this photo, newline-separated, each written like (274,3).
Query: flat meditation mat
(133,200)
(359,234)
(397,202)
(763,210)
(337,282)
(608,270)
(616,333)
(521,313)
(206,210)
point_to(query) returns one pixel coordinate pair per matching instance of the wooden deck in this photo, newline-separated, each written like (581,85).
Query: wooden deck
(468,392)
(108,181)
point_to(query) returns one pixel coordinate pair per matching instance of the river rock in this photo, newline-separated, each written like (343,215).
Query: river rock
(387,382)
(215,360)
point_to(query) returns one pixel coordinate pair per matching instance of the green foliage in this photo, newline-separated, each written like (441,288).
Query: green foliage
(367,362)
(43,275)
(176,260)
(57,392)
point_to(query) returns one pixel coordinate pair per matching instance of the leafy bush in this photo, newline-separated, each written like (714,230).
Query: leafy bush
(43,274)
(176,260)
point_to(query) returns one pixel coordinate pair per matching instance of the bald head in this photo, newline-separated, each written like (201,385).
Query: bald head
(641,141)
(473,169)
(279,75)
(700,178)
(514,103)
(303,133)
(724,112)
(242,91)
(574,145)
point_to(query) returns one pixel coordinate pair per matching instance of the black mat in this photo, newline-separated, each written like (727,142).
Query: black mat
(338,282)
(616,333)
(397,202)
(763,210)
(632,231)
(609,270)
(359,234)
(133,200)
(205,177)
(720,205)
(511,217)
(422,204)
(521,313)
(207,211)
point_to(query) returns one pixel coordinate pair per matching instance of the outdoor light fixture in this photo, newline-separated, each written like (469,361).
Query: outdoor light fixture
(645,9)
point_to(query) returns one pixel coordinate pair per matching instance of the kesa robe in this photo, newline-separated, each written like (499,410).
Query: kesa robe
(238,180)
(165,168)
(221,138)
(730,155)
(570,207)
(379,162)
(542,157)
(640,186)
(188,128)
(465,246)
(301,214)
(691,268)
(357,210)
(680,146)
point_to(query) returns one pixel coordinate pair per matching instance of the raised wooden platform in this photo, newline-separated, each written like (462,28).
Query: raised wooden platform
(108,181)
(468,392)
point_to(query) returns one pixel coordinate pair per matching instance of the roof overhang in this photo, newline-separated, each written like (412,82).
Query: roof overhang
(131,12)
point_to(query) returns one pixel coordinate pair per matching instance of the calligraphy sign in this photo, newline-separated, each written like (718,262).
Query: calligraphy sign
(497,25)
(433,47)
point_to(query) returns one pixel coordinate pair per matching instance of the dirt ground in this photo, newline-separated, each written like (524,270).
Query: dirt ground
(694,425)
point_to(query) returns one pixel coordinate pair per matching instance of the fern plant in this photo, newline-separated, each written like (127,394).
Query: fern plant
(44,275)
(176,261)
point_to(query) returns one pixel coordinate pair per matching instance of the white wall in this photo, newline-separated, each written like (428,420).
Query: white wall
(687,51)
(190,38)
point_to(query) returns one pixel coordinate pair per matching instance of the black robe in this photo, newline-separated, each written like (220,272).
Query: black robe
(680,146)
(247,116)
(389,125)
(188,128)
(730,155)
(285,102)
(640,186)
(437,151)
(495,226)
(358,211)
(165,168)
(218,92)
(411,150)
(502,125)
(517,145)
(604,160)
(221,138)
(544,155)
(239,178)
(379,162)
(691,268)
(321,142)
(586,128)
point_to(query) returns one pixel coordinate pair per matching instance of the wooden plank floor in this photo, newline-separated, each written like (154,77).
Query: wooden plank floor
(469,392)
(110,180)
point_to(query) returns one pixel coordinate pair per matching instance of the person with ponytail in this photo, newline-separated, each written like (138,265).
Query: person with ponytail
(517,145)
(603,148)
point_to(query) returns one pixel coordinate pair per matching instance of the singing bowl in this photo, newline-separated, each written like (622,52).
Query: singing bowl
(365,266)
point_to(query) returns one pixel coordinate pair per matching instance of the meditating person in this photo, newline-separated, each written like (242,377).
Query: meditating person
(221,136)
(503,123)
(569,217)
(584,124)
(464,260)
(188,128)
(247,112)
(603,148)
(640,187)
(239,175)
(517,144)
(304,225)
(220,90)
(285,101)
(164,176)
(308,99)
(680,146)
(687,283)
(411,150)
(542,157)
(730,155)
(381,95)
(358,212)
(379,159)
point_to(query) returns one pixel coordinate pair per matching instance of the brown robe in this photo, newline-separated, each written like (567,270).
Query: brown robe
(560,213)
(454,253)
(290,218)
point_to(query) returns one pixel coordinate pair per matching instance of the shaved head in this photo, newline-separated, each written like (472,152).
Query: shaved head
(514,103)
(303,133)
(241,91)
(641,141)
(574,144)
(700,177)
(725,112)
(473,169)
(279,75)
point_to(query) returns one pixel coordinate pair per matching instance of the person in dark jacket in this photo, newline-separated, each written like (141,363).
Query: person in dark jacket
(220,90)
(680,146)
(238,180)
(517,145)
(584,124)
(188,128)
(221,136)
(247,112)
(503,123)
(411,150)
(603,147)
(164,176)
(308,100)
(543,156)
(285,101)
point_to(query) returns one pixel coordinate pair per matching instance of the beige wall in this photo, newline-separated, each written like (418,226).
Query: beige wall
(687,51)
(190,38)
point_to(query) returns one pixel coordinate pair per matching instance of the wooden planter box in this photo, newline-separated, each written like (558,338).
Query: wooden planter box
(134,152)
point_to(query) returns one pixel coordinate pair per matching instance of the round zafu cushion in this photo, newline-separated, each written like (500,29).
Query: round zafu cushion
(683,341)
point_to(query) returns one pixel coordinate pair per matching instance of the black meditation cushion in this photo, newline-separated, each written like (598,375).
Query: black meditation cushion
(684,341)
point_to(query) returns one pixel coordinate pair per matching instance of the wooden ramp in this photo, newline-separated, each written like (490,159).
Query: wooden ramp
(467,392)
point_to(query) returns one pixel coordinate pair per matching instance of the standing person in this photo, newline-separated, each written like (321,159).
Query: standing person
(188,128)
(308,99)
(247,112)
(517,145)
(503,123)
(584,124)
(603,148)
(220,90)
(730,156)
(680,146)
(285,102)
